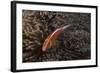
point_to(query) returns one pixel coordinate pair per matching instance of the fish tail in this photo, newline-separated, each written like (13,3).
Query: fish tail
(64,27)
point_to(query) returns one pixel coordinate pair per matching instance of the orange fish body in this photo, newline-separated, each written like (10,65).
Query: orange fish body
(52,37)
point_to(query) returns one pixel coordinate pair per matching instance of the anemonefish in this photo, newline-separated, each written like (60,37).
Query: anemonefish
(52,37)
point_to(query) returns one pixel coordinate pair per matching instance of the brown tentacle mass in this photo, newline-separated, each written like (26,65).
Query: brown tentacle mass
(73,44)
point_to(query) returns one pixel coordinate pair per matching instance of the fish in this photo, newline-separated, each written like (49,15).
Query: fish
(52,37)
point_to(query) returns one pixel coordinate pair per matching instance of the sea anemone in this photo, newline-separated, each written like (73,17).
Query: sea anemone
(72,44)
